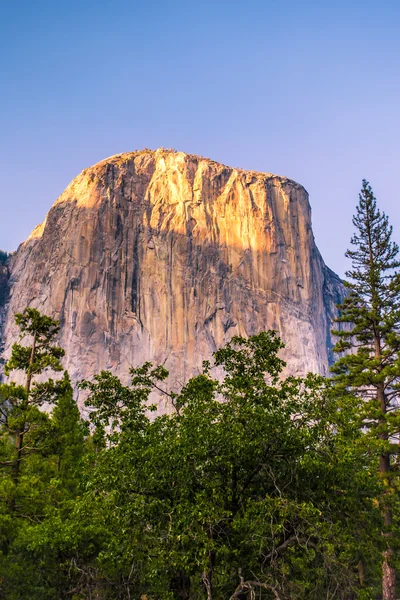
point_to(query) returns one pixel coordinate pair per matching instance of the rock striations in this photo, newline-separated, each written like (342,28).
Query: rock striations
(163,256)
(4,288)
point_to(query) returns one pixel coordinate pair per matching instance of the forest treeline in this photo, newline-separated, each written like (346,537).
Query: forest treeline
(255,485)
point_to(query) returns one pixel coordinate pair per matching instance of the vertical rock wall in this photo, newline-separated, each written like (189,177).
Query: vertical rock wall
(4,277)
(164,256)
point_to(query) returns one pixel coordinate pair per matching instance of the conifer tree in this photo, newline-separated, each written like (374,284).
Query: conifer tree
(369,343)
(20,404)
(69,434)
(36,500)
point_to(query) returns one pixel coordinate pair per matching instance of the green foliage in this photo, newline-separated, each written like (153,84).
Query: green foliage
(249,475)
(371,311)
(253,484)
(371,370)
(371,316)
(3,257)
(68,431)
(42,354)
(39,460)
(23,424)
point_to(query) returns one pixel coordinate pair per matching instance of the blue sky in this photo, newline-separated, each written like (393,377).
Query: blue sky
(310,90)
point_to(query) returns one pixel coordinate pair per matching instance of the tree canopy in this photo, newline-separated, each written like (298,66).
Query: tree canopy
(252,484)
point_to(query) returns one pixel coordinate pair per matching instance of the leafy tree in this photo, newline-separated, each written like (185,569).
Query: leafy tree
(371,315)
(252,484)
(3,257)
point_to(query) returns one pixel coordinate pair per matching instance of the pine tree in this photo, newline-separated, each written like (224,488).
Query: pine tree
(40,460)
(69,434)
(19,405)
(371,370)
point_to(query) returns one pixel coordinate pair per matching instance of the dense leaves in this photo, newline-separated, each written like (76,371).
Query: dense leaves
(249,477)
(252,484)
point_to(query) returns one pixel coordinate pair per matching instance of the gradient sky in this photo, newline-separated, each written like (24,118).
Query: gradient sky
(310,90)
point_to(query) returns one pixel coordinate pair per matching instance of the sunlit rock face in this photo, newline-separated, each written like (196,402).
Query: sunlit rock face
(164,256)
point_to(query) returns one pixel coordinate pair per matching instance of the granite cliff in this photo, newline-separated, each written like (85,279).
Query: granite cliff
(163,256)
(4,275)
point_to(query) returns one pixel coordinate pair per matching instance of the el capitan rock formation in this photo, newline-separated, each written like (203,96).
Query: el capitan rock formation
(163,256)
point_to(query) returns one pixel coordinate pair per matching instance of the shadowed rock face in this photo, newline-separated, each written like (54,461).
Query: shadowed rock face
(163,256)
(4,275)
